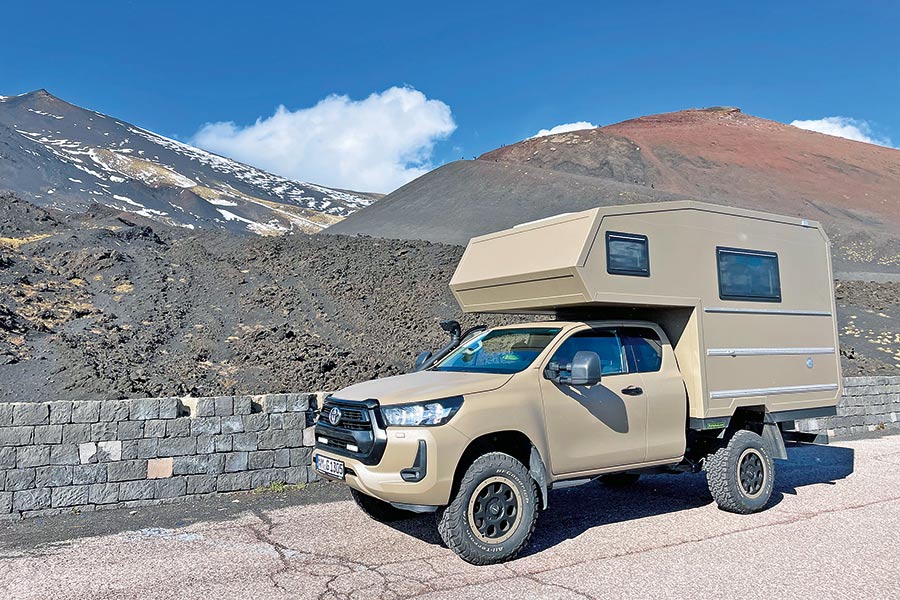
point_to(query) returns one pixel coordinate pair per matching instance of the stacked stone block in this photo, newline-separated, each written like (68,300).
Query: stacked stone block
(59,456)
(869,406)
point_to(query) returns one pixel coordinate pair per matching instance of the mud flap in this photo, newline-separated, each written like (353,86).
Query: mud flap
(771,435)
(539,474)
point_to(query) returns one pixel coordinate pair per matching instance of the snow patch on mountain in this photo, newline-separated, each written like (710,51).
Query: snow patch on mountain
(110,160)
(45,114)
(281,187)
(128,200)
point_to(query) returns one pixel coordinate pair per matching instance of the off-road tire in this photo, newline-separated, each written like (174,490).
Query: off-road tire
(723,474)
(620,479)
(458,528)
(379,510)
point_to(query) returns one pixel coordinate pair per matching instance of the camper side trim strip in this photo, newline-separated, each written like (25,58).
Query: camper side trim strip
(767,351)
(767,311)
(772,391)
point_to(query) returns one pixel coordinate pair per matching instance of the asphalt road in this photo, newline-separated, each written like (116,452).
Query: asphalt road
(832,531)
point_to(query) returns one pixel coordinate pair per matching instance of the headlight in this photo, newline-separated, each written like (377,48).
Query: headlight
(422,414)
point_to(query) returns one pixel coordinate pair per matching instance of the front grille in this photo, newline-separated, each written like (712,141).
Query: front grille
(332,442)
(358,427)
(352,419)
(354,426)
(353,415)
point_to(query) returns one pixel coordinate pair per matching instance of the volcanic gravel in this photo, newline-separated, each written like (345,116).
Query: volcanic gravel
(108,305)
(102,305)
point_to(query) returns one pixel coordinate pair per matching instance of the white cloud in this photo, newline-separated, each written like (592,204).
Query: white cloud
(845,127)
(564,128)
(376,144)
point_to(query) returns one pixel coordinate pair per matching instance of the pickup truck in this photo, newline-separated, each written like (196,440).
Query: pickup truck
(632,375)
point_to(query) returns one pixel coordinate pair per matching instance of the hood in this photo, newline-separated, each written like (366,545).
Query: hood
(421,386)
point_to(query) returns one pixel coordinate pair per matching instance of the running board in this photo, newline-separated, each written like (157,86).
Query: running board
(568,483)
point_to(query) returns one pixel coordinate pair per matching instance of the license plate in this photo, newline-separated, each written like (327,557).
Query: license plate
(329,466)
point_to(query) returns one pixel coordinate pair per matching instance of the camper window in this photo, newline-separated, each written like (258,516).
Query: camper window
(627,254)
(750,275)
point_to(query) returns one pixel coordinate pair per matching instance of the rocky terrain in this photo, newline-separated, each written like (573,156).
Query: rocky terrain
(62,156)
(718,155)
(107,304)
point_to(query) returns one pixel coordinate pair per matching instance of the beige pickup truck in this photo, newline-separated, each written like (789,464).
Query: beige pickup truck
(681,337)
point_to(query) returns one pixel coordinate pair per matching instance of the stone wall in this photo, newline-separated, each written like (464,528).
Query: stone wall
(60,456)
(63,456)
(869,406)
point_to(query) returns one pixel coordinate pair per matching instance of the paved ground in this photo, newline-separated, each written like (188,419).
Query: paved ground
(833,531)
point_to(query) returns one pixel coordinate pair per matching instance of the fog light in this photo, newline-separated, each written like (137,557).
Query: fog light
(352,448)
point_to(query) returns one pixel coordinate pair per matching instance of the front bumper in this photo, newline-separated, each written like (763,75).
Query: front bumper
(383,479)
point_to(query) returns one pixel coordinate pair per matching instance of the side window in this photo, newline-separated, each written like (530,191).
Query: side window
(604,342)
(627,254)
(643,349)
(750,275)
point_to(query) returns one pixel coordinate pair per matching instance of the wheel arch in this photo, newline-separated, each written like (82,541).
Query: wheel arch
(512,442)
(758,420)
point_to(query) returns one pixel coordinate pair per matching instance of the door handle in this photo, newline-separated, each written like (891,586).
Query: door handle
(632,390)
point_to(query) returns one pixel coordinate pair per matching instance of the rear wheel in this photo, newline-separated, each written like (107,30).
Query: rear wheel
(741,475)
(379,510)
(494,512)
(620,479)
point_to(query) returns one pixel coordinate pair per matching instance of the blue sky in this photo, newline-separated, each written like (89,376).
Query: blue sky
(503,70)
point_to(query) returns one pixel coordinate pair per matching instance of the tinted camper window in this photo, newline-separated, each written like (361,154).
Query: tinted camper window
(750,275)
(627,254)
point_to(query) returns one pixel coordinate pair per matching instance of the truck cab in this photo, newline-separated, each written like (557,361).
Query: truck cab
(517,379)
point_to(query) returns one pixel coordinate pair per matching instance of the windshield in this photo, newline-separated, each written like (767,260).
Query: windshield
(502,351)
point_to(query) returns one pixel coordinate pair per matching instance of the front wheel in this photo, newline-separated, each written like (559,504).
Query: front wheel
(741,475)
(494,512)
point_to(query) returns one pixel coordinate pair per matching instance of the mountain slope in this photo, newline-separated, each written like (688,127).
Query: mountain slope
(471,197)
(717,155)
(59,155)
(713,152)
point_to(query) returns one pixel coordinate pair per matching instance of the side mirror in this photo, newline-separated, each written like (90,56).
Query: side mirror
(585,369)
(422,359)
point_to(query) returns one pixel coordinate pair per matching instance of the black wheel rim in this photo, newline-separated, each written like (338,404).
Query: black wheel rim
(495,510)
(751,473)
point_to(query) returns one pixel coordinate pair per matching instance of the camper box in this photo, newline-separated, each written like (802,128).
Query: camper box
(746,298)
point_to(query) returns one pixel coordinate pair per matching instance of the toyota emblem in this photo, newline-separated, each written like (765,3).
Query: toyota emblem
(334,415)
